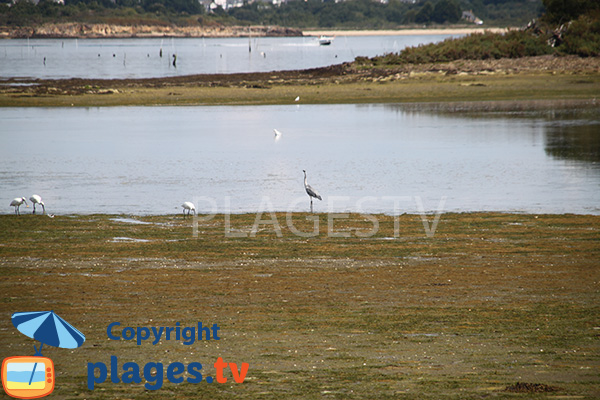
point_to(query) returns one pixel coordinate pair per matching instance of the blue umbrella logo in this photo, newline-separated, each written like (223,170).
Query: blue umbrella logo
(48,328)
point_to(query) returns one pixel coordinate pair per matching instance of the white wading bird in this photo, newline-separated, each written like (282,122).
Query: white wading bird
(16,203)
(189,206)
(277,134)
(35,199)
(297,98)
(311,192)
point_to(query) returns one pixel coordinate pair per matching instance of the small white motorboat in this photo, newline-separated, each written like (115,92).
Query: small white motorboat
(325,40)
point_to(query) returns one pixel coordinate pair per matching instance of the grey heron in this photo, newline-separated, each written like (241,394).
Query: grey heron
(16,203)
(35,199)
(311,192)
(189,206)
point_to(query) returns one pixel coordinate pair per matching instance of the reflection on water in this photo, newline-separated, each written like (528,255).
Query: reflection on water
(572,128)
(574,141)
(375,158)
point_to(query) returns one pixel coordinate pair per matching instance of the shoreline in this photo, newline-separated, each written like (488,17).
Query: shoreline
(542,78)
(80,30)
(121,217)
(402,32)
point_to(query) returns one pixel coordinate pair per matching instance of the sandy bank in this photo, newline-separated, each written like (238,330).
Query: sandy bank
(403,32)
(84,30)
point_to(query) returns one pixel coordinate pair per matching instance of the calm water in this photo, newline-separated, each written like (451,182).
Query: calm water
(139,58)
(148,160)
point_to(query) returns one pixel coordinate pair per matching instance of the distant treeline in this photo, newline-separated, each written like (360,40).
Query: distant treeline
(567,26)
(373,14)
(350,14)
(25,12)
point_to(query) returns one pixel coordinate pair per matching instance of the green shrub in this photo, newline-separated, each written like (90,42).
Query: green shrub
(582,37)
(477,46)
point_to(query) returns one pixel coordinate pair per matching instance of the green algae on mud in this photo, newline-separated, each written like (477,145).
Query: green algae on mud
(490,300)
(242,236)
(530,78)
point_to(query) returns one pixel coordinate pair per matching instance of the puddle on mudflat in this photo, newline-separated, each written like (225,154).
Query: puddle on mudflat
(128,239)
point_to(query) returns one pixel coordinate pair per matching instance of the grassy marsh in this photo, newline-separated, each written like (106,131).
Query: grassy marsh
(490,300)
(528,78)
(427,87)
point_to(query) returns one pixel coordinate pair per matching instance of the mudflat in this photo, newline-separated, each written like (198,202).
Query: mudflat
(486,306)
(529,78)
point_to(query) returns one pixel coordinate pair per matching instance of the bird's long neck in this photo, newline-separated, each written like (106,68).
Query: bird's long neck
(305,182)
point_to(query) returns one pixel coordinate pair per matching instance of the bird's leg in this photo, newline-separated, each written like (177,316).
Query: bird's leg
(33,208)
(311,207)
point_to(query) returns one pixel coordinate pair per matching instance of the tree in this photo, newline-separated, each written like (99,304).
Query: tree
(396,12)
(23,13)
(446,11)
(48,8)
(424,14)
(561,11)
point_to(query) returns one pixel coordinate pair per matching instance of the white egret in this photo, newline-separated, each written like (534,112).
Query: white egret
(35,199)
(297,98)
(311,192)
(189,206)
(16,203)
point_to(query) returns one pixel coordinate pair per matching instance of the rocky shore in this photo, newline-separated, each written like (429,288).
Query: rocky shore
(83,30)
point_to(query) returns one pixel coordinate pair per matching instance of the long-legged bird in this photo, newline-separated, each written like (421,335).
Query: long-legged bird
(189,206)
(311,192)
(16,203)
(35,199)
